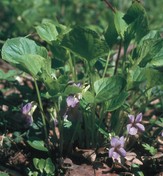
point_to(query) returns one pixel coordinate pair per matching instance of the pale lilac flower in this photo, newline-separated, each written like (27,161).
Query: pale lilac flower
(117,148)
(27,111)
(72,101)
(135,125)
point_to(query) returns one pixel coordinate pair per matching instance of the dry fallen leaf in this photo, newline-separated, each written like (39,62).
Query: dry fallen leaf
(130,156)
(88,154)
(131,159)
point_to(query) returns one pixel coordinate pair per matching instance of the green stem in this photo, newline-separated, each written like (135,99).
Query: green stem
(93,124)
(41,109)
(72,67)
(93,109)
(106,65)
(73,136)
(124,60)
(61,135)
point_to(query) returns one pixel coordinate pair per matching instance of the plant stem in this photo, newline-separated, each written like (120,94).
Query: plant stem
(93,124)
(118,57)
(109,5)
(106,65)
(137,98)
(93,109)
(72,67)
(73,136)
(61,135)
(41,109)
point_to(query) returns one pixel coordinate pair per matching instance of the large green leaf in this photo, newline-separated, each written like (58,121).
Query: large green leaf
(25,54)
(15,48)
(120,24)
(85,43)
(108,88)
(47,31)
(148,48)
(31,64)
(137,21)
(111,34)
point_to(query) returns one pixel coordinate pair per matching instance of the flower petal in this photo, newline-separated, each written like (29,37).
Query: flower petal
(122,141)
(139,117)
(140,127)
(131,118)
(122,152)
(114,141)
(128,127)
(111,152)
(28,120)
(133,131)
(72,101)
(26,108)
(115,155)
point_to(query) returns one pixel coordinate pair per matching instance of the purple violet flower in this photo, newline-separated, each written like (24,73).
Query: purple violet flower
(26,108)
(27,111)
(117,148)
(72,101)
(135,125)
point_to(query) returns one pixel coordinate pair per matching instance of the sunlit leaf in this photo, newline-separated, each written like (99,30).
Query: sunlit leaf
(41,165)
(49,166)
(35,162)
(37,144)
(25,54)
(47,31)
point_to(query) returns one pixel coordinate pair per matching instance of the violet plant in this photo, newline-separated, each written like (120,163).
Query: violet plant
(118,90)
(117,148)
(135,125)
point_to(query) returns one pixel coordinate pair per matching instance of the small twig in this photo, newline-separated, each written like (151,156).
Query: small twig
(118,57)
(109,5)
